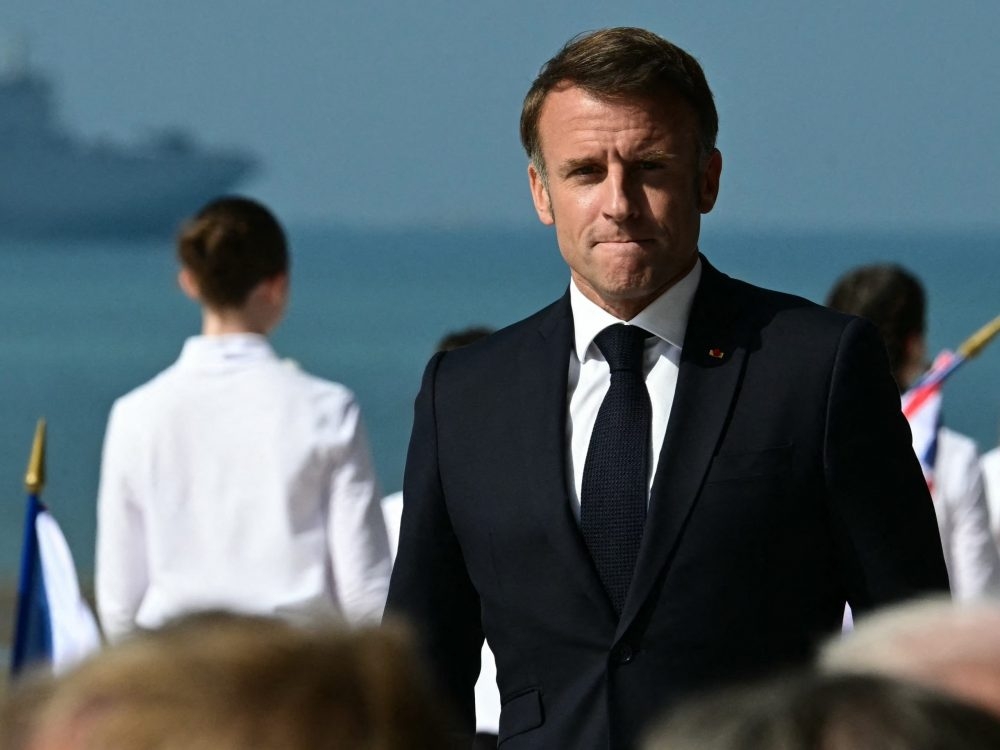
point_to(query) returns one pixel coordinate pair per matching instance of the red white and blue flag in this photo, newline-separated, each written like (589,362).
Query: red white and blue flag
(922,408)
(922,402)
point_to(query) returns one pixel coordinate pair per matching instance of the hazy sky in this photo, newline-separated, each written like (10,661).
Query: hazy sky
(857,113)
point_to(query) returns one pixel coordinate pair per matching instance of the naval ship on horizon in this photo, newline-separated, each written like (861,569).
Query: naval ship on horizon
(54,184)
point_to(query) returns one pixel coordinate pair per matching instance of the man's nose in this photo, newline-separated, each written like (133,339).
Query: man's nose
(620,202)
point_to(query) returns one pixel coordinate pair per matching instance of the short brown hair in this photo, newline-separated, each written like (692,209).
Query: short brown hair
(806,711)
(231,245)
(463,337)
(229,682)
(890,297)
(621,62)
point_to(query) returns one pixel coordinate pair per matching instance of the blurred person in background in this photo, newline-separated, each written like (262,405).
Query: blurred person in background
(990,464)
(233,479)
(894,300)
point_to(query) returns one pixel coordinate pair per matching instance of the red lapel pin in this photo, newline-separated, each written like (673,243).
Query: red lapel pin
(716,353)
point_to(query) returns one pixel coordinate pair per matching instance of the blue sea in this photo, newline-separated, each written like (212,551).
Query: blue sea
(84,322)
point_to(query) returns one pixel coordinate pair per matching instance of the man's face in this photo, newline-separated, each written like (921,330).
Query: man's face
(625,188)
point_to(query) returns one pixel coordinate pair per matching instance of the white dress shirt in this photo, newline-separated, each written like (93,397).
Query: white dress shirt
(235,480)
(589,376)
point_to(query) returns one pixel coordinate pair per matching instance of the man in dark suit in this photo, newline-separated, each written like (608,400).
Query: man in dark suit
(630,513)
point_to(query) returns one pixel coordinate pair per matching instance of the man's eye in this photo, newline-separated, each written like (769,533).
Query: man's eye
(583,171)
(645,165)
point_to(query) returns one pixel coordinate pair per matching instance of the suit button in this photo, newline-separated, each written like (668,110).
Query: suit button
(625,654)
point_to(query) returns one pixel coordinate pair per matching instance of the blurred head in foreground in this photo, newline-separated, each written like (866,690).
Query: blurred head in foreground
(827,712)
(951,646)
(230,682)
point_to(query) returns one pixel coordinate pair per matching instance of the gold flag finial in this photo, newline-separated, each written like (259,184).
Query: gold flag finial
(34,480)
(977,341)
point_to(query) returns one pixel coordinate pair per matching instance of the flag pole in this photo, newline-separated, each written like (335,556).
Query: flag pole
(34,478)
(969,348)
(978,341)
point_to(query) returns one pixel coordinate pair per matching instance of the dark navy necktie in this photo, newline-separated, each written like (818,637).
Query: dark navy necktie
(613,493)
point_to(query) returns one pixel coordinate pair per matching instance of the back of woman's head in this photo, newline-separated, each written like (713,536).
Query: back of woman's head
(230,246)
(827,712)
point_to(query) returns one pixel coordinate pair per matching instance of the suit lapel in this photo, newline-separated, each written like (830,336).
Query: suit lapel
(541,372)
(710,369)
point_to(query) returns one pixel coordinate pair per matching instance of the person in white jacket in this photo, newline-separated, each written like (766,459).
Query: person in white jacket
(894,300)
(990,464)
(234,480)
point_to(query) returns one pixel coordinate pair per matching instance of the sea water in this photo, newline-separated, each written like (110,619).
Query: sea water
(83,322)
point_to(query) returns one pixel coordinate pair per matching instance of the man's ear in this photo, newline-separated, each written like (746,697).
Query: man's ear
(708,183)
(540,196)
(188,284)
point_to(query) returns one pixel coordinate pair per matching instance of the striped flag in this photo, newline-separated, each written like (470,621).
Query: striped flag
(54,626)
(922,402)
(922,409)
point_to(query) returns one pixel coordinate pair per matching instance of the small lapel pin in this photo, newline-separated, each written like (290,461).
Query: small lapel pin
(716,353)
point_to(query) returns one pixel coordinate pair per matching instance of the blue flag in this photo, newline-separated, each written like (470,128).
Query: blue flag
(54,627)
(32,631)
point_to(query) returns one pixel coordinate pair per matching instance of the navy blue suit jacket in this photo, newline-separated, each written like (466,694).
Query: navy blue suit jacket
(786,487)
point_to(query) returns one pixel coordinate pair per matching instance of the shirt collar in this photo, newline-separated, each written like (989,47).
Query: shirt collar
(226,350)
(666,317)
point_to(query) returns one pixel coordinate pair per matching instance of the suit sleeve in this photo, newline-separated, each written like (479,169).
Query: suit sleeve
(881,508)
(430,586)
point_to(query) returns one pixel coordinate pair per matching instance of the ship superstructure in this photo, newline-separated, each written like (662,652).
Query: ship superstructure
(54,184)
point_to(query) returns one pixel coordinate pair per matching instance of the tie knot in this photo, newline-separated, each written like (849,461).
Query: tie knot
(622,346)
